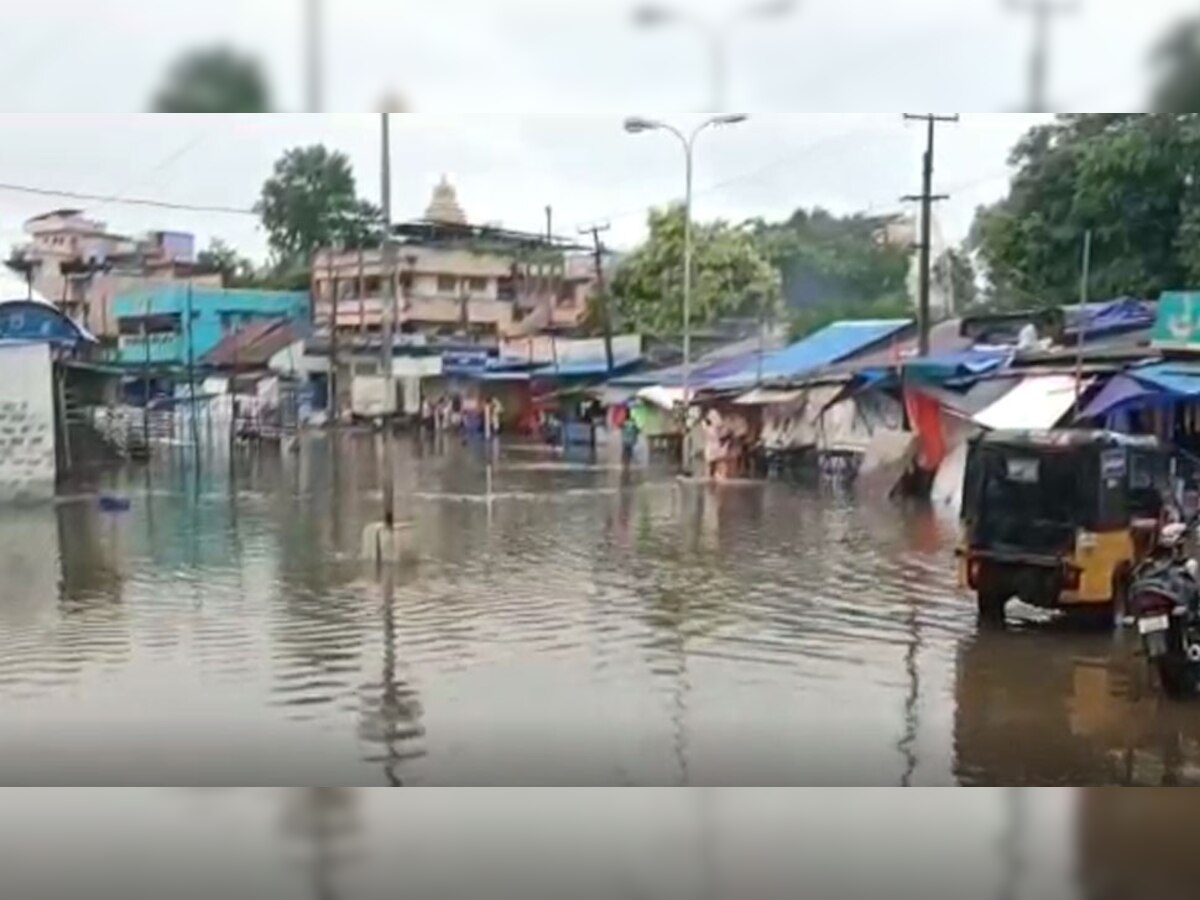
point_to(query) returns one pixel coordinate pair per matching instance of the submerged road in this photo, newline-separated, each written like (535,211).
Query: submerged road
(576,626)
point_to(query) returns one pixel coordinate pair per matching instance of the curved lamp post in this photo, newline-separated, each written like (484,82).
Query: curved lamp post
(638,125)
(715,33)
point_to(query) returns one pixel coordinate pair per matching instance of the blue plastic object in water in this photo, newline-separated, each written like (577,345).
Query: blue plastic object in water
(109,503)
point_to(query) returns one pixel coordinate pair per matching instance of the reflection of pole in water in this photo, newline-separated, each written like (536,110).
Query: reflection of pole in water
(322,819)
(1011,862)
(395,720)
(908,743)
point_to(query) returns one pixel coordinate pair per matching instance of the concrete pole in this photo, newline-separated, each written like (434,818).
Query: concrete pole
(389,307)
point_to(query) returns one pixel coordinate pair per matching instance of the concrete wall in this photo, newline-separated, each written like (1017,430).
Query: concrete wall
(212,311)
(27,436)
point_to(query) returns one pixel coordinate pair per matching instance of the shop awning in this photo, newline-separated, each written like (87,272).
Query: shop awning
(1036,403)
(1178,379)
(768,397)
(1120,390)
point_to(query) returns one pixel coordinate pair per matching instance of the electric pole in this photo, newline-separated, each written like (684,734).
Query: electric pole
(927,198)
(1042,12)
(594,231)
(313,70)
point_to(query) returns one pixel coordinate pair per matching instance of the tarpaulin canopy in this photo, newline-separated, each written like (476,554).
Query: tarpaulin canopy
(831,344)
(1038,402)
(1120,390)
(963,364)
(1114,317)
(768,397)
(1178,379)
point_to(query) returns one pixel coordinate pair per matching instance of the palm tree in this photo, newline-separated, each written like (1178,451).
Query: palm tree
(214,80)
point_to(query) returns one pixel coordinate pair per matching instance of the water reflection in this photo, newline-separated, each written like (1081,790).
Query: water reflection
(584,625)
(1073,709)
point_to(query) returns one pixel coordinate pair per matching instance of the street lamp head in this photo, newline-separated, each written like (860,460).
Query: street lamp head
(731,119)
(651,15)
(636,125)
(772,9)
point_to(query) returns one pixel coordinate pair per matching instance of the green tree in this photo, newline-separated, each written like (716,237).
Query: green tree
(235,269)
(731,278)
(1129,178)
(214,80)
(310,201)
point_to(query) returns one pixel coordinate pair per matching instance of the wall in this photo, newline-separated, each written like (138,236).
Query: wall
(205,326)
(27,436)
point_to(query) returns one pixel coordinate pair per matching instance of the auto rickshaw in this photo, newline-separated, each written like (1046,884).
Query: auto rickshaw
(1059,518)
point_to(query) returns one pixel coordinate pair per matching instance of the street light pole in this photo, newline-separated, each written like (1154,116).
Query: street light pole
(654,15)
(637,126)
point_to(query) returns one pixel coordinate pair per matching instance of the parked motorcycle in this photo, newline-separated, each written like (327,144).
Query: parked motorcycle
(1164,599)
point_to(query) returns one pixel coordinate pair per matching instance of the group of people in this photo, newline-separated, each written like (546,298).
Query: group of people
(449,414)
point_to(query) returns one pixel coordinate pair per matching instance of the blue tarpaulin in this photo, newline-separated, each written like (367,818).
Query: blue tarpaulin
(1114,317)
(584,368)
(830,345)
(1121,390)
(1176,379)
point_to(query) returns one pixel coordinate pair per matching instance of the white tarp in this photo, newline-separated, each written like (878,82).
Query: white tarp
(662,397)
(767,397)
(1037,402)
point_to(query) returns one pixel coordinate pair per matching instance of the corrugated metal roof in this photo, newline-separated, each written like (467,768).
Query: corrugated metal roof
(253,345)
(832,344)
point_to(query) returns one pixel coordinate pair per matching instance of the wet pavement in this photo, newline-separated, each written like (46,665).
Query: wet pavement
(567,624)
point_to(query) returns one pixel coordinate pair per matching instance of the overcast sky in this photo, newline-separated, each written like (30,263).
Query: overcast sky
(520,102)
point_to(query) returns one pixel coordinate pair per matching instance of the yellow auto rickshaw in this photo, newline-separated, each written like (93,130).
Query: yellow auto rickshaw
(1059,518)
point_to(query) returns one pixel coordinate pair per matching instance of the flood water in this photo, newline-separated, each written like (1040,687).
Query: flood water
(566,624)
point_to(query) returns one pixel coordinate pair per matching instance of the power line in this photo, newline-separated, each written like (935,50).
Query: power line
(127,201)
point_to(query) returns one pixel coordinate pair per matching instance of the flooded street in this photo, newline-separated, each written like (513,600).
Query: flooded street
(566,625)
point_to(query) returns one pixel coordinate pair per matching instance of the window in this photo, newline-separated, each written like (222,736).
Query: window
(447,284)
(226,322)
(477,285)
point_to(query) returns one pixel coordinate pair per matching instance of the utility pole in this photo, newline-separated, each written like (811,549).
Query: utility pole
(313,69)
(927,198)
(389,324)
(549,223)
(1085,279)
(601,292)
(1042,12)
(335,386)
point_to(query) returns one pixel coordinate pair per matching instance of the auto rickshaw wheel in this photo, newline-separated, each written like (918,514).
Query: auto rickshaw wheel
(991,603)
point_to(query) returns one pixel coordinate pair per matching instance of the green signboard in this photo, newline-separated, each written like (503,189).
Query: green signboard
(1178,322)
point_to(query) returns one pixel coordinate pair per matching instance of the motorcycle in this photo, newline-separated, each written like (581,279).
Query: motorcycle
(1164,599)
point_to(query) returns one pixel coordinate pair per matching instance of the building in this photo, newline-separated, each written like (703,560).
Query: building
(482,283)
(173,324)
(81,266)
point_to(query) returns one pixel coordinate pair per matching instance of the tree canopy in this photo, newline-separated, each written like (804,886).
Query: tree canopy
(731,278)
(235,269)
(1129,178)
(311,201)
(835,267)
(1176,59)
(214,80)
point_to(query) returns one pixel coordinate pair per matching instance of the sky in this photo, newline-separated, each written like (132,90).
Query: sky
(520,103)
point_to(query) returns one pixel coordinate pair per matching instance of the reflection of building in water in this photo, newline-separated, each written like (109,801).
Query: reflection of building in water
(1060,708)
(89,542)
(29,562)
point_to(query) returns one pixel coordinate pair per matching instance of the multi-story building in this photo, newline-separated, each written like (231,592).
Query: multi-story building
(484,283)
(81,266)
(172,324)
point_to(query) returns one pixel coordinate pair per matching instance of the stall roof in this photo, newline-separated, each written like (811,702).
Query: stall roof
(584,368)
(1179,379)
(834,343)
(1037,402)
(1121,389)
